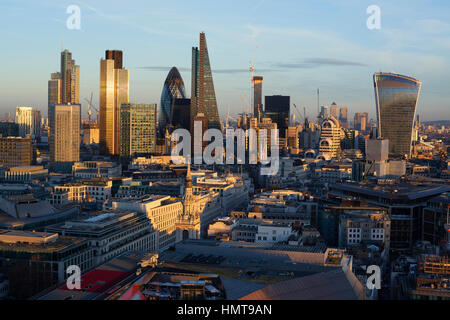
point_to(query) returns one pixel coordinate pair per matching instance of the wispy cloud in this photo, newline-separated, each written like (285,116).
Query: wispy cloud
(318,62)
(221,71)
(119,18)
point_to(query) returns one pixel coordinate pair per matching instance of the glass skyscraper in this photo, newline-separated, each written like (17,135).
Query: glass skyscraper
(396,99)
(173,89)
(114,90)
(137,129)
(203,96)
(277,108)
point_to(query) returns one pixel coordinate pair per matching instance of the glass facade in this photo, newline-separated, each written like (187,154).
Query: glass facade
(203,95)
(114,90)
(173,89)
(277,108)
(137,129)
(396,100)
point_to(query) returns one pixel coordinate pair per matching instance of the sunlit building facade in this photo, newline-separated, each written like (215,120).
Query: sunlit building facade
(396,99)
(137,129)
(114,90)
(64,134)
(29,121)
(173,89)
(70,79)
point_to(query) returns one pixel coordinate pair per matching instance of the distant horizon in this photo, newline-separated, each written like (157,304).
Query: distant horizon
(296,47)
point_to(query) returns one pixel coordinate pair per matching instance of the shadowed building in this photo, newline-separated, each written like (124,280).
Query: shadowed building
(203,96)
(396,100)
(173,89)
(180,116)
(277,108)
(257,96)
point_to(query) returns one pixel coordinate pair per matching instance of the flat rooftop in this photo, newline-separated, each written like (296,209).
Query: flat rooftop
(406,191)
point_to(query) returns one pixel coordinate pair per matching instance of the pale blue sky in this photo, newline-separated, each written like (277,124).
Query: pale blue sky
(301,46)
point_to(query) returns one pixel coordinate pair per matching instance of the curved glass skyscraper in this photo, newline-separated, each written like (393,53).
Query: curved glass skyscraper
(396,100)
(173,89)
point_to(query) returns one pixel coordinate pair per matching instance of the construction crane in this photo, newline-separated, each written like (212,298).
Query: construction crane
(90,107)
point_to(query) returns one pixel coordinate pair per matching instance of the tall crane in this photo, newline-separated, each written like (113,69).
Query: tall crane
(90,107)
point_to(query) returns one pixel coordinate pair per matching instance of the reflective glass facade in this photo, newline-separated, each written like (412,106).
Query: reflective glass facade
(137,129)
(203,95)
(173,89)
(396,100)
(114,90)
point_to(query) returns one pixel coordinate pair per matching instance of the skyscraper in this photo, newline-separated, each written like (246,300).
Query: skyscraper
(257,96)
(334,110)
(396,99)
(203,96)
(173,89)
(29,121)
(360,121)
(70,79)
(114,90)
(343,117)
(277,108)
(55,89)
(64,134)
(137,129)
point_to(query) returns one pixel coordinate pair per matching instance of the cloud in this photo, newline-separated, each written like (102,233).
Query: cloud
(163,68)
(221,71)
(318,62)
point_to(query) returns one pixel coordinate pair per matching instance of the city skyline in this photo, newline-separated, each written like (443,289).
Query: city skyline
(295,56)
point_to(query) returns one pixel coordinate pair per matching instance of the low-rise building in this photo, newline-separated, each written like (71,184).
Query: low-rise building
(162,212)
(34,261)
(96,169)
(110,233)
(25,174)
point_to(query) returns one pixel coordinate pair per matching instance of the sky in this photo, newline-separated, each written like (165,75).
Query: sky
(296,45)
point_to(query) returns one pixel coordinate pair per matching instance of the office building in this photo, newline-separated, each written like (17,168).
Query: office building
(396,99)
(343,118)
(137,129)
(109,233)
(16,151)
(64,135)
(35,261)
(203,96)
(9,129)
(96,169)
(29,121)
(55,89)
(323,112)
(181,113)
(334,110)
(330,139)
(360,121)
(257,97)
(162,212)
(114,91)
(277,108)
(70,79)
(173,89)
